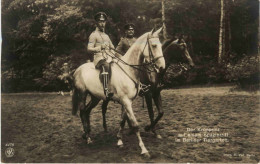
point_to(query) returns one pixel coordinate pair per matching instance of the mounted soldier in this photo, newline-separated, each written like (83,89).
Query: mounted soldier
(99,42)
(127,41)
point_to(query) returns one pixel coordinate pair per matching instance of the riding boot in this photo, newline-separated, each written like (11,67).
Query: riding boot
(105,80)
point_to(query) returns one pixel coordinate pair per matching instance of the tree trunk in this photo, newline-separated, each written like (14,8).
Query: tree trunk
(228,9)
(163,20)
(258,47)
(229,33)
(221,30)
(224,33)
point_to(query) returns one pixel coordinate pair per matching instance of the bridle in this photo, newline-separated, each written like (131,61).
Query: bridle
(146,64)
(152,59)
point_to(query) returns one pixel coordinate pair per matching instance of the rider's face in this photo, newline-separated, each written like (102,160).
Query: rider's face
(101,24)
(130,32)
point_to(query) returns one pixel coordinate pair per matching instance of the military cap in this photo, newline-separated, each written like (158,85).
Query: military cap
(129,26)
(100,16)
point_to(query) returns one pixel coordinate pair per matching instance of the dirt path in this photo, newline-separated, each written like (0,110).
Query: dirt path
(41,128)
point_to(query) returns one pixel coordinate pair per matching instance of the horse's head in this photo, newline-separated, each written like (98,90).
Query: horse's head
(152,51)
(146,53)
(154,62)
(177,51)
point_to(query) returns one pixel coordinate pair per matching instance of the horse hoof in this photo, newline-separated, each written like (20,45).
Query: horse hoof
(147,155)
(120,143)
(147,128)
(89,141)
(158,136)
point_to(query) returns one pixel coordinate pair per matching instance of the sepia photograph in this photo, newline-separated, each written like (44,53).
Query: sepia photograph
(130,81)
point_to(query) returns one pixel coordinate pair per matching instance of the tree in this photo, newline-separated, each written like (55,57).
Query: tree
(163,20)
(259,29)
(37,33)
(221,33)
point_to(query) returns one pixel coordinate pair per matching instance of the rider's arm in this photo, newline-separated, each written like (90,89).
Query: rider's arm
(119,47)
(91,44)
(111,44)
(112,48)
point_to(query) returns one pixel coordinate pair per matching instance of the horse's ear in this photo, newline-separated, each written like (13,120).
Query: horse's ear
(158,31)
(152,31)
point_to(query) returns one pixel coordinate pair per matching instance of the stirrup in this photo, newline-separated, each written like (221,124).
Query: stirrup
(108,94)
(143,89)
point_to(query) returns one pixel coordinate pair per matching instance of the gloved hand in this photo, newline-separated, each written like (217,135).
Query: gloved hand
(103,46)
(100,48)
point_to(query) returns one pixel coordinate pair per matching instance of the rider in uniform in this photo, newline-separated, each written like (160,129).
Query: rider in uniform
(100,45)
(124,44)
(127,41)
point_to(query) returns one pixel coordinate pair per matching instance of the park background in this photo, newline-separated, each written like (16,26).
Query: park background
(39,36)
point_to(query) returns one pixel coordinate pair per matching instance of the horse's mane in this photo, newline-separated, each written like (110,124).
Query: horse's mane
(167,42)
(142,36)
(136,42)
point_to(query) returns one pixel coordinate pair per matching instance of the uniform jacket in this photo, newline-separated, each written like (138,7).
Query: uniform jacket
(97,38)
(124,44)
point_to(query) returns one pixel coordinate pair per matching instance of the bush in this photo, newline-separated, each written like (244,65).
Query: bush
(245,72)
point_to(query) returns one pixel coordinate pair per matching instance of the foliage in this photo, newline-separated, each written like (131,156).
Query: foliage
(245,72)
(39,35)
(51,74)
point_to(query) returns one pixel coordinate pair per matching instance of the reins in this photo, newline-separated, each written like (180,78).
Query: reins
(118,59)
(152,59)
(122,61)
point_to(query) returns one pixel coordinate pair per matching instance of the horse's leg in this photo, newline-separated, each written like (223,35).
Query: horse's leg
(85,116)
(158,102)
(81,104)
(149,103)
(122,125)
(128,121)
(135,126)
(104,111)
(124,119)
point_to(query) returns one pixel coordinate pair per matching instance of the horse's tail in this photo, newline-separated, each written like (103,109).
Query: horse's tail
(75,101)
(78,98)
(70,78)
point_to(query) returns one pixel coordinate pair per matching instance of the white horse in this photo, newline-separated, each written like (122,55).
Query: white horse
(124,82)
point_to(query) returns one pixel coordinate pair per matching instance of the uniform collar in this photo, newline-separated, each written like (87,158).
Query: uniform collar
(128,37)
(98,30)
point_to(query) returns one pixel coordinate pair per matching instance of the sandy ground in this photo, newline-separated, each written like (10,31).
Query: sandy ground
(40,128)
